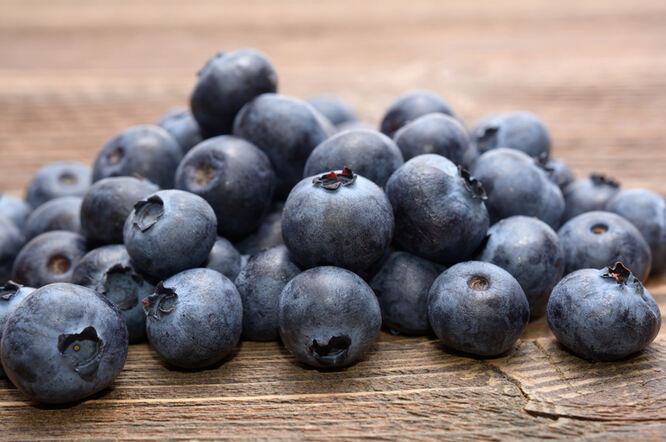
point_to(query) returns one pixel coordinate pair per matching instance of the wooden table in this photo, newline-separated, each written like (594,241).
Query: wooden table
(74,72)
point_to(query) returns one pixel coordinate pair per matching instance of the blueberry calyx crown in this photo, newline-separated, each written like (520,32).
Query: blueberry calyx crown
(115,286)
(619,272)
(83,351)
(542,162)
(160,303)
(147,212)
(9,290)
(473,185)
(487,137)
(334,352)
(333,180)
(602,180)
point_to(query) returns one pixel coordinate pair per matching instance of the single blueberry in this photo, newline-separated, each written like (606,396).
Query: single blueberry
(14,209)
(647,211)
(517,185)
(369,153)
(225,84)
(260,284)
(56,180)
(146,151)
(588,194)
(57,214)
(478,308)
(603,315)
(439,209)
(183,128)
(598,239)
(335,110)
(49,257)
(107,204)
(267,235)
(516,130)
(402,286)
(530,250)
(339,219)
(170,231)
(287,130)
(109,271)
(411,106)
(11,241)
(63,343)
(328,317)
(194,318)
(436,133)
(11,295)
(234,177)
(224,258)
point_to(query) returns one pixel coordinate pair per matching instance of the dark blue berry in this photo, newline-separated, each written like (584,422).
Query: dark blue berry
(63,343)
(478,308)
(603,315)
(194,318)
(56,180)
(183,128)
(411,106)
(11,295)
(260,283)
(329,317)
(170,231)
(234,177)
(224,258)
(146,151)
(588,194)
(335,110)
(598,239)
(439,209)
(516,130)
(368,153)
(14,209)
(11,241)
(56,214)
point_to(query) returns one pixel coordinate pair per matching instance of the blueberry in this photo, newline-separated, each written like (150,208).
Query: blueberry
(559,172)
(269,234)
(436,133)
(402,286)
(49,257)
(477,308)
(63,343)
(225,84)
(109,272)
(170,231)
(14,209)
(409,107)
(369,153)
(57,214)
(516,185)
(517,130)
(598,239)
(286,129)
(647,211)
(11,241)
(11,295)
(107,204)
(260,283)
(603,315)
(194,318)
(439,210)
(58,179)
(339,219)
(183,128)
(334,109)
(588,194)
(530,250)
(328,317)
(234,177)
(145,151)
(224,258)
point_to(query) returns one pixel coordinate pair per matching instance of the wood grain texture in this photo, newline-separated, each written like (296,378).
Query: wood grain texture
(74,72)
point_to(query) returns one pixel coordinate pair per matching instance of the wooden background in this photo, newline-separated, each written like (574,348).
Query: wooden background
(73,73)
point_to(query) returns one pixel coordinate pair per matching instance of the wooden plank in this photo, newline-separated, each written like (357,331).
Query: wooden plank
(74,72)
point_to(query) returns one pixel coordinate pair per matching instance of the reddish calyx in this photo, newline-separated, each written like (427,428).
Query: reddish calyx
(333,180)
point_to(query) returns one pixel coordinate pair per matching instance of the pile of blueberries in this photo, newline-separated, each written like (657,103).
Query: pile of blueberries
(258,215)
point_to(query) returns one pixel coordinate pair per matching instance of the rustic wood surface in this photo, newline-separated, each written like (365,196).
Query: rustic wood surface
(74,72)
